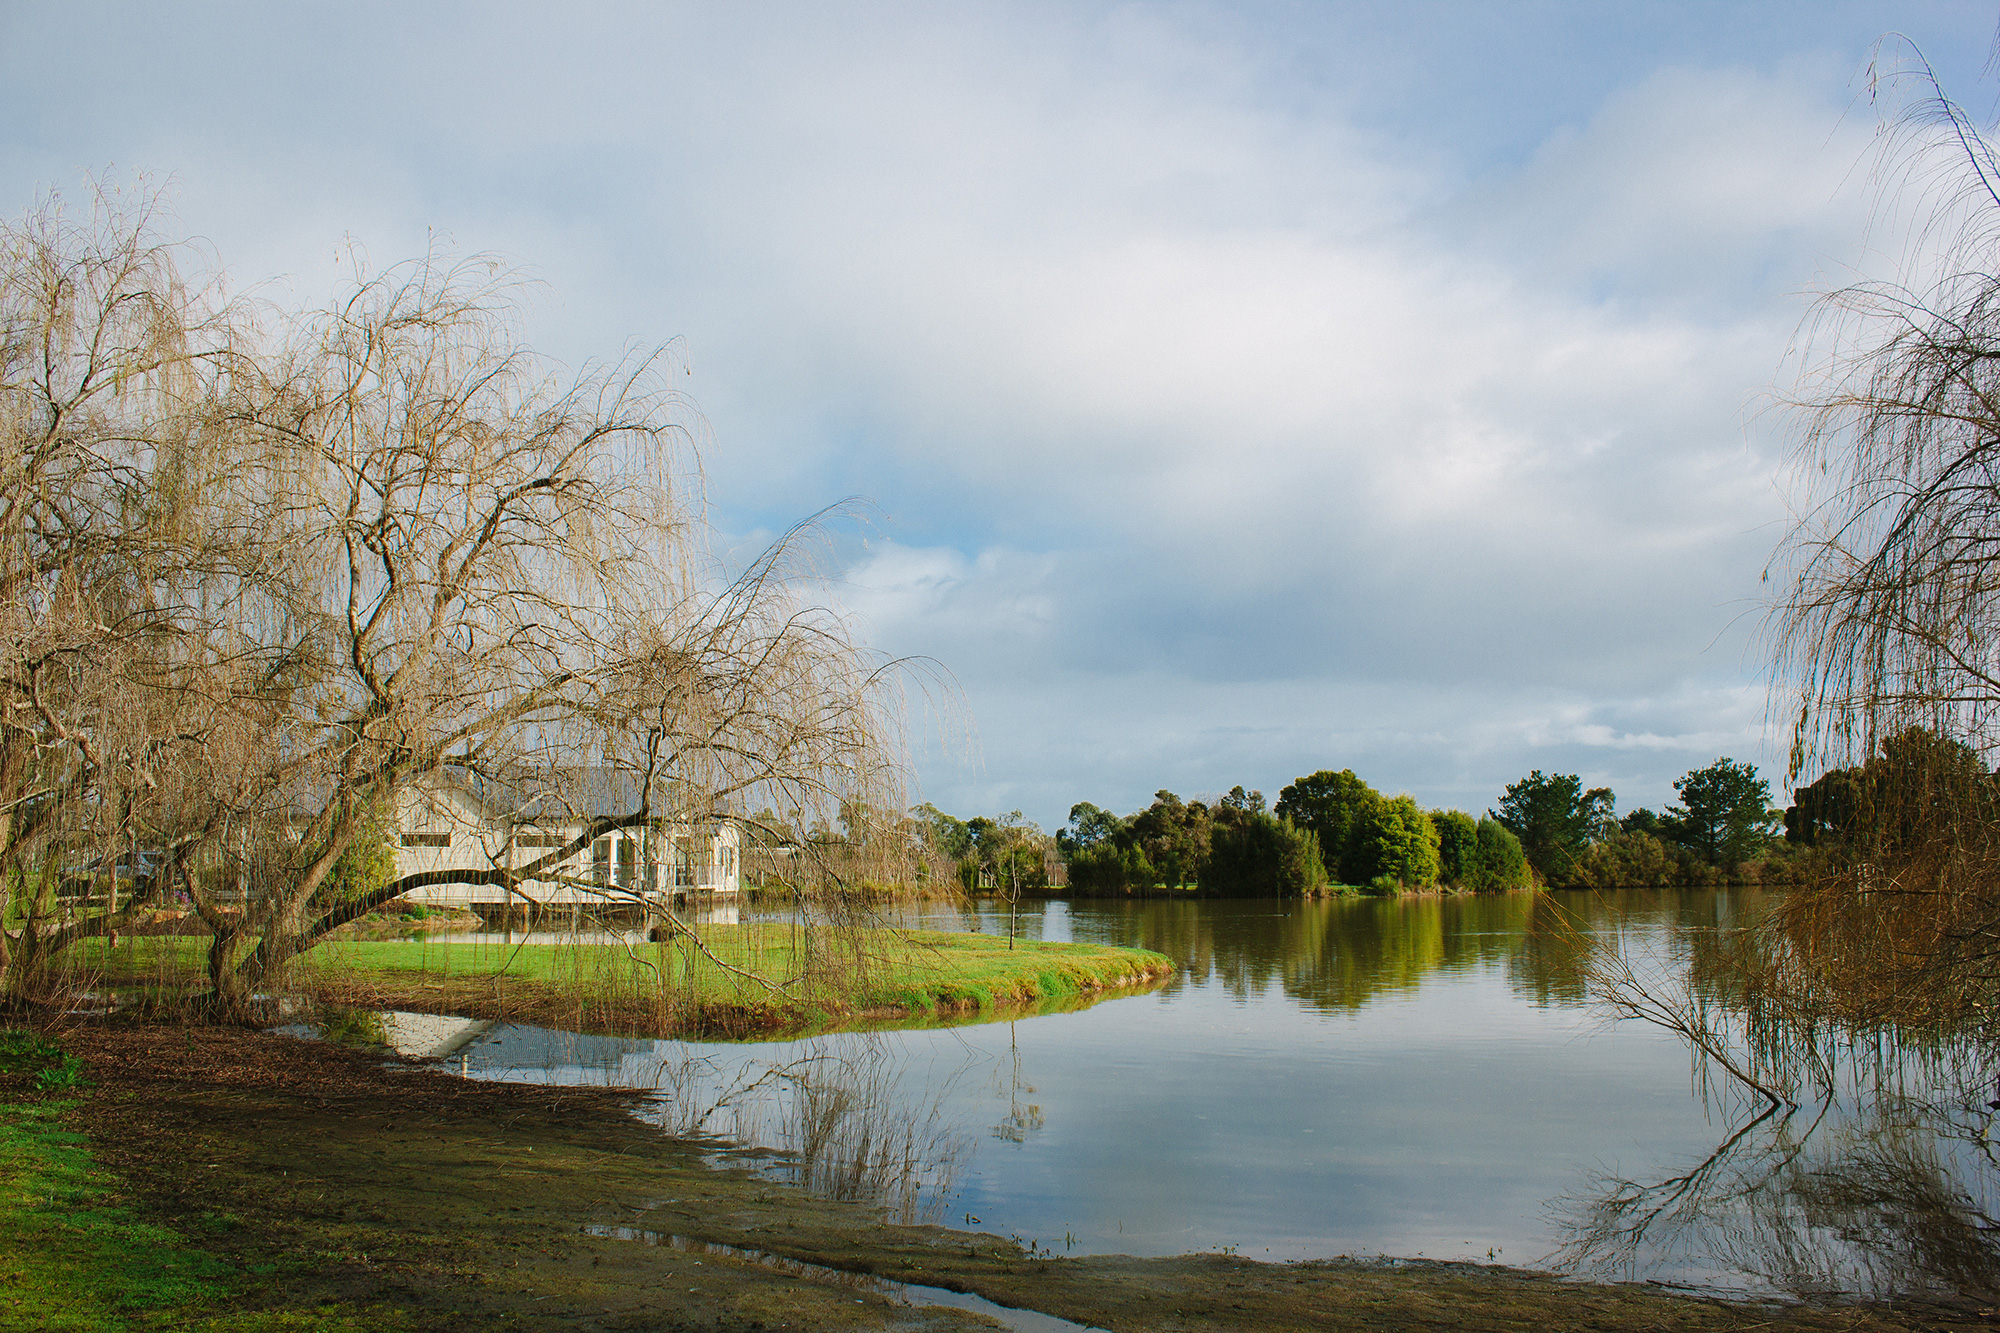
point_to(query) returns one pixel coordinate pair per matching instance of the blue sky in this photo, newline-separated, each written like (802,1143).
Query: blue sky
(1242,390)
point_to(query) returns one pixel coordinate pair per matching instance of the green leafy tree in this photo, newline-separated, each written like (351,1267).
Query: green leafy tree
(1173,836)
(942,834)
(1499,864)
(1007,852)
(1403,844)
(1826,810)
(1641,820)
(1089,826)
(1135,868)
(1255,854)
(368,863)
(1109,867)
(1458,845)
(1917,786)
(1340,810)
(1239,799)
(1555,819)
(1724,814)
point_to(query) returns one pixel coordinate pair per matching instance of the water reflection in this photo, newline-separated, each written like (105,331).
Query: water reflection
(843,1116)
(1888,1197)
(1341,955)
(1417,1076)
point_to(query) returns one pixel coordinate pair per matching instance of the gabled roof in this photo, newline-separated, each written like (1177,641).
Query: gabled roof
(562,795)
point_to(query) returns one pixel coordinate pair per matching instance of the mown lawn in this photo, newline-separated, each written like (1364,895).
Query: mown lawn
(748,978)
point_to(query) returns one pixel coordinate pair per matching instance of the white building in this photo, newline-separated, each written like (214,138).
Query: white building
(453,824)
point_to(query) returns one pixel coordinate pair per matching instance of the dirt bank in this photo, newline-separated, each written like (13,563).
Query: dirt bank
(406,1197)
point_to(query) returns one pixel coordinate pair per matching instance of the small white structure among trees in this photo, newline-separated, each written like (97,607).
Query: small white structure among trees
(457,828)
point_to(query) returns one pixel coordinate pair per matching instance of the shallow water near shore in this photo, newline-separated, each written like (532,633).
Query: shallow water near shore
(1414,1077)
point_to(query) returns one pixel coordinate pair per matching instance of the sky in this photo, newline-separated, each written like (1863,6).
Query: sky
(1238,390)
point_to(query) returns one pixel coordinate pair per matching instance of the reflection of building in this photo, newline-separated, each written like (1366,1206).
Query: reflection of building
(464,825)
(431,1036)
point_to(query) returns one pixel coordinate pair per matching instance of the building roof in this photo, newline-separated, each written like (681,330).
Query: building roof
(565,795)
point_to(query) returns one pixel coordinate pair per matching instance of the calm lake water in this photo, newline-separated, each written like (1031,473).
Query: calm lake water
(1407,1077)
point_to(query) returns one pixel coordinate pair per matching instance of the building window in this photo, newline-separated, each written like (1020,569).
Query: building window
(427,839)
(540,840)
(600,860)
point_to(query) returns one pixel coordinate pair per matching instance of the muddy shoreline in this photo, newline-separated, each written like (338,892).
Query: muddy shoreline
(345,1180)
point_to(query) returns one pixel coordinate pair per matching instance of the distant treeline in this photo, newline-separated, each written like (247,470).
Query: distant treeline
(1330,832)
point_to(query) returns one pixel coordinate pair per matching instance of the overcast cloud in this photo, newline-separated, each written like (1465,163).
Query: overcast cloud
(1243,390)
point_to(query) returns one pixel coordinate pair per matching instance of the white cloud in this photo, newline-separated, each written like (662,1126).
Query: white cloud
(1223,432)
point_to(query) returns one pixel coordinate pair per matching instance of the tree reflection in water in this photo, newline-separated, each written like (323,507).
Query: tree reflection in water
(844,1120)
(1882,1185)
(1022,1118)
(1887,1197)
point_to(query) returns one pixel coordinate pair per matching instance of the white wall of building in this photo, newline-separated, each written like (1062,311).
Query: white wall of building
(447,828)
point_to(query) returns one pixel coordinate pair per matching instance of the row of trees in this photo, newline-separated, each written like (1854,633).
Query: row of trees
(262,570)
(1328,831)
(1386,843)
(1331,830)
(1722,829)
(1234,848)
(1008,853)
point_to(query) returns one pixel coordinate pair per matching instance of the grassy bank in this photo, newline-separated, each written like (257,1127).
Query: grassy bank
(75,1254)
(737,981)
(222,1181)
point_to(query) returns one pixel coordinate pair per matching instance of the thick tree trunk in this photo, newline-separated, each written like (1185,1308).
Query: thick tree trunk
(228,999)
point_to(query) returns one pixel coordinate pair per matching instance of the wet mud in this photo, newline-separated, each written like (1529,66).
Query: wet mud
(348,1176)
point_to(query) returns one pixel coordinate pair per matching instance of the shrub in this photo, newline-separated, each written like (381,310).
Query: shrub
(1499,863)
(1628,861)
(46,1065)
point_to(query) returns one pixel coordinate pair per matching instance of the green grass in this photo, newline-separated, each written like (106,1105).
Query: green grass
(46,1065)
(75,1259)
(70,1257)
(765,975)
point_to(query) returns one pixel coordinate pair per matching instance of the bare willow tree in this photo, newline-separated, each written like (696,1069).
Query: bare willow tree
(261,573)
(1892,619)
(111,366)
(1888,634)
(1886,640)
(458,561)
